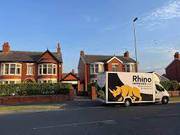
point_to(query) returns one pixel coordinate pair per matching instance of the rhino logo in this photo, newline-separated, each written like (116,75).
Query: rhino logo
(126,91)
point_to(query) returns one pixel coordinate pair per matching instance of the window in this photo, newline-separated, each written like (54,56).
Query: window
(101,68)
(92,69)
(114,67)
(96,68)
(29,69)
(47,69)
(6,72)
(159,88)
(12,82)
(50,69)
(133,68)
(130,67)
(10,69)
(5,82)
(47,81)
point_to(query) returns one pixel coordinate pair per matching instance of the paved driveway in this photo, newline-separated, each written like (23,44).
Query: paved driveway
(87,118)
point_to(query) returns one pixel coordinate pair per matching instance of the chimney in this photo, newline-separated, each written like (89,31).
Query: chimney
(73,71)
(6,48)
(126,54)
(177,55)
(82,53)
(58,49)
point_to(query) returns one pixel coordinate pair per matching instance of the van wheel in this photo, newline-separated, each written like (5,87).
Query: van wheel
(127,102)
(165,100)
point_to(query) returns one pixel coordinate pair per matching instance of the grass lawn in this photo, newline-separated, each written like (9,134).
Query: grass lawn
(174,98)
(24,108)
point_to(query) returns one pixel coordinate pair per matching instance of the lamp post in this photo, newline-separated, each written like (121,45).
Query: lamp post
(135,46)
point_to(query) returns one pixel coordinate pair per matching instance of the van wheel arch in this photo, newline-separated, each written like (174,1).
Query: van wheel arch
(127,102)
(165,100)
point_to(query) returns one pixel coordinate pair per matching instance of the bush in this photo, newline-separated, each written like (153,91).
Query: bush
(26,89)
(170,85)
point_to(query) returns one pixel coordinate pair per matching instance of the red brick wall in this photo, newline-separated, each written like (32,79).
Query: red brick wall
(115,61)
(34,99)
(173,71)
(47,58)
(70,78)
(24,76)
(24,72)
(81,71)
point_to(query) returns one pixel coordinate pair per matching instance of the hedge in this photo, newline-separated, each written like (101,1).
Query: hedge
(171,85)
(28,89)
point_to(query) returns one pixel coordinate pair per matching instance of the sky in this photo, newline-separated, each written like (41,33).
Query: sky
(95,26)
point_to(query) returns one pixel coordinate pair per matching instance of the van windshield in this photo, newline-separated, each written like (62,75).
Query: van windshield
(159,88)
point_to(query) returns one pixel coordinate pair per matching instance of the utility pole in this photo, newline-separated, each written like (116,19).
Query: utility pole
(135,45)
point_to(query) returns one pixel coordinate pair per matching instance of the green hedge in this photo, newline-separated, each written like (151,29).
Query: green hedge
(171,85)
(28,89)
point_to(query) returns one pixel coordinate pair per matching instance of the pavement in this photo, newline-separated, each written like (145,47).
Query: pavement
(95,118)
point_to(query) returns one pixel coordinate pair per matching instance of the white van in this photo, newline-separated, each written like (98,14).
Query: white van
(129,87)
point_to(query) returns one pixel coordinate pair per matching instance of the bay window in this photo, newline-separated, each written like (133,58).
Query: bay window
(30,69)
(47,69)
(10,69)
(97,67)
(130,67)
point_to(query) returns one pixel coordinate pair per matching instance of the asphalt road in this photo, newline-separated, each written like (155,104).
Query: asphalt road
(95,119)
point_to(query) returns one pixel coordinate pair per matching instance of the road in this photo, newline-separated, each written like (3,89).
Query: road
(87,118)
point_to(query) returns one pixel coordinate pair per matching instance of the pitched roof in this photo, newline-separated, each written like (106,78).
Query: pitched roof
(66,75)
(25,56)
(105,58)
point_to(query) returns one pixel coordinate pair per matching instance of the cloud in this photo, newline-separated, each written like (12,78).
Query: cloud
(170,10)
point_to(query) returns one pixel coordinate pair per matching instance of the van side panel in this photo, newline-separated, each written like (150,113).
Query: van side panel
(139,87)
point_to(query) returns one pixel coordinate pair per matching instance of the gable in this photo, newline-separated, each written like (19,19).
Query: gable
(113,59)
(70,77)
(47,57)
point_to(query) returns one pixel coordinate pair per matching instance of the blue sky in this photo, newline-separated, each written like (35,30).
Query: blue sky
(95,26)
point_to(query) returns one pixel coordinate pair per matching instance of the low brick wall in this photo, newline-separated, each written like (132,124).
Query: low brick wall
(14,100)
(174,93)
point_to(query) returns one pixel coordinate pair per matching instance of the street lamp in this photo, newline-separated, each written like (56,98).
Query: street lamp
(135,46)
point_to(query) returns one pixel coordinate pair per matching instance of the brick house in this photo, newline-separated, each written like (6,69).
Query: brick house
(90,65)
(26,66)
(173,69)
(71,78)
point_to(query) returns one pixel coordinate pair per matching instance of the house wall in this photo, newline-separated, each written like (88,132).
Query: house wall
(115,61)
(46,58)
(85,76)
(81,71)
(173,71)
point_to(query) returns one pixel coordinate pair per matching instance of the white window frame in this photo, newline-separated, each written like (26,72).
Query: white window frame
(47,80)
(16,81)
(9,69)
(115,64)
(94,67)
(130,67)
(41,66)
(32,70)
